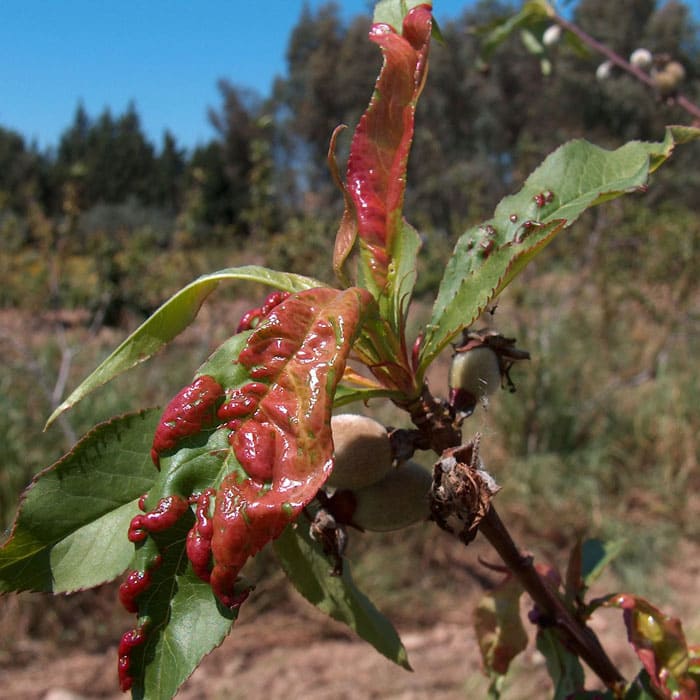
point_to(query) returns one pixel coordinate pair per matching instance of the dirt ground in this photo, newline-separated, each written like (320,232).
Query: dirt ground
(296,652)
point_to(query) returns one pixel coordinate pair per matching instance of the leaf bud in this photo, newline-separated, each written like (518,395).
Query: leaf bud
(551,35)
(604,70)
(641,58)
(398,500)
(362,451)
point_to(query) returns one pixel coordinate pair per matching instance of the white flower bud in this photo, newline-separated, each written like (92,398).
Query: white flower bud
(551,35)
(641,58)
(604,70)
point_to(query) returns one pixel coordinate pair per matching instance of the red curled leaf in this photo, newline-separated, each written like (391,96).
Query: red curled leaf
(193,409)
(376,175)
(660,644)
(284,445)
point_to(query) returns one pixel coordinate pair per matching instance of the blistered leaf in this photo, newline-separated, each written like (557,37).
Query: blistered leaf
(499,627)
(376,174)
(170,320)
(179,619)
(309,569)
(248,461)
(660,644)
(564,668)
(70,531)
(577,176)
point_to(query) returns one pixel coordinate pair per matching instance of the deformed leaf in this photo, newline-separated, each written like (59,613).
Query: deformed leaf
(309,569)
(499,627)
(575,177)
(247,471)
(376,174)
(180,620)
(170,320)
(660,644)
(70,531)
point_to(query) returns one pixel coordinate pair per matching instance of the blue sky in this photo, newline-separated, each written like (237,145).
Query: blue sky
(165,55)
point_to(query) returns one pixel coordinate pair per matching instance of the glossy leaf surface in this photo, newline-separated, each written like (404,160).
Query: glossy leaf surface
(376,175)
(660,644)
(309,569)
(575,177)
(70,531)
(171,319)
(263,461)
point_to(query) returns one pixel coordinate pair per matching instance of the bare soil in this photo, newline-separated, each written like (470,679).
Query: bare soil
(292,651)
(296,652)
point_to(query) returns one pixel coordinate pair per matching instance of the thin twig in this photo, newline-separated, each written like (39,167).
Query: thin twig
(427,412)
(614,57)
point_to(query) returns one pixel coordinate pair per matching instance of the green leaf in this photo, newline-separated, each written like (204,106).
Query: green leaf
(563,667)
(185,622)
(402,275)
(70,531)
(170,320)
(392,12)
(308,568)
(595,557)
(641,688)
(531,14)
(596,695)
(575,177)
(345,395)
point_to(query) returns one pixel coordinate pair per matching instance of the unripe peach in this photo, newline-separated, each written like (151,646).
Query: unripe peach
(400,499)
(476,371)
(362,451)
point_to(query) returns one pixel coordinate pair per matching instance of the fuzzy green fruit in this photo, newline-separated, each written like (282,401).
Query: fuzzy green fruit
(397,501)
(362,451)
(476,371)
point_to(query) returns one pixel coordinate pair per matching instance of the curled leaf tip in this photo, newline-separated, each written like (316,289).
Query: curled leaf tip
(379,154)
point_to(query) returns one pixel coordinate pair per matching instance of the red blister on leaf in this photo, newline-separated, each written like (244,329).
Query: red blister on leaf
(188,413)
(280,431)
(376,175)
